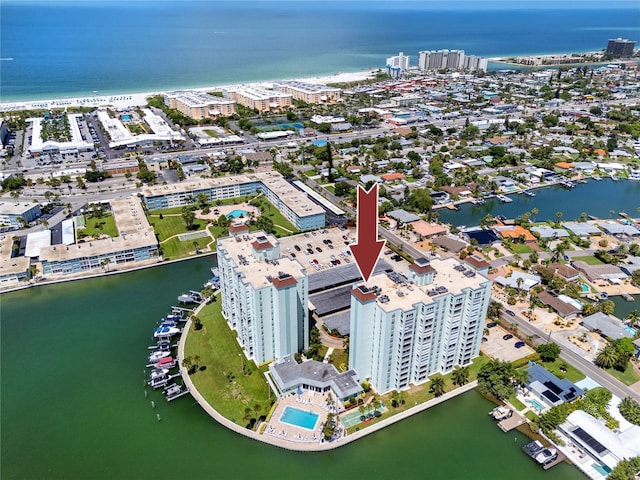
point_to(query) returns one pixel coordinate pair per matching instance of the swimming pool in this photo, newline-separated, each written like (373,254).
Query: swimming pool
(237,213)
(630,330)
(126,118)
(585,288)
(299,418)
(536,404)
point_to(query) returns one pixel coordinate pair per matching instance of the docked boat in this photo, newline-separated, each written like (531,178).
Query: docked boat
(529,193)
(166,362)
(567,184)
(596,177)
(166,331)
(501,413)
(159,381)
(541,454)
(504,198)
(191,297)
(161,345)
(158,355)
(158,373)
(174,391)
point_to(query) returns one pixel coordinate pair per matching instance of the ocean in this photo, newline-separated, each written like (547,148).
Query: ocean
(58,49)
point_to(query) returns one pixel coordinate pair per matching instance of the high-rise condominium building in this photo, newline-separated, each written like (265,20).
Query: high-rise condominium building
(396,66)
(264,297)
(432,60)
(620,47)
(405,328)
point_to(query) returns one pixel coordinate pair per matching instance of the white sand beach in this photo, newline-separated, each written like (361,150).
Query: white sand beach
(127,100)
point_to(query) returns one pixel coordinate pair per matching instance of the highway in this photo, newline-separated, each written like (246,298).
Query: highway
(585,366)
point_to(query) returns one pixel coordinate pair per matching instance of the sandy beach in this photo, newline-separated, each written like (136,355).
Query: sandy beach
(127,100)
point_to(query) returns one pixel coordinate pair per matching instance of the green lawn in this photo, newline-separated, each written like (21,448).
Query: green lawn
(276,217)
(588,260)
(628,377)
(421,393)
(174,248)
(223,383)
(211,133)
(94,227)
(330,188)
(572,374)
(522,248)
(532,416)
(516,403)
(169,226)
(340,359)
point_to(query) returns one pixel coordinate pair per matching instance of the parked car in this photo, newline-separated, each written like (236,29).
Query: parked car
(491,324)
(519,344)
(508,336)
(510,312)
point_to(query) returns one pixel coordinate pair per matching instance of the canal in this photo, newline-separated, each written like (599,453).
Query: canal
(602,199)
(74,407)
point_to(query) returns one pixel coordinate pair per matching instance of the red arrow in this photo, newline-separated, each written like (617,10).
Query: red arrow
(367,248)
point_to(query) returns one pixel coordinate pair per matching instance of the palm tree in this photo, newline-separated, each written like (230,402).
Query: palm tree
(634,318)
(196,361)
(376,405)
(607,357)
(460,376)
(437,386)
(361,409)
(534,212)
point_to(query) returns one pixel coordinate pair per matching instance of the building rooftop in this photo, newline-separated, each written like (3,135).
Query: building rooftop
(296,200)
(13,208)
(289,374)
(257,271)
(394,291)
(607,325)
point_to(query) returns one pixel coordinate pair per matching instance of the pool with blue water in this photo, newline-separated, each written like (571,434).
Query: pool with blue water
(299,418)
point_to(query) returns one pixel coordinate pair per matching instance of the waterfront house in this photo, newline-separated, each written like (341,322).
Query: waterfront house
(593,273)
(519,280)
(547,232)
(602,445)
(582,229)
(564,306)
(549,388)
(606,325)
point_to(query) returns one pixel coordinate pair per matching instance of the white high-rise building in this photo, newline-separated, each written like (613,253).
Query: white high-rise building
(264,297)
(431,60)
(405,328)
(396,66)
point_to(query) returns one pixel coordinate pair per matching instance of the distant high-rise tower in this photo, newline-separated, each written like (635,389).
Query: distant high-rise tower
(433,60)
(396,66)
(619,47)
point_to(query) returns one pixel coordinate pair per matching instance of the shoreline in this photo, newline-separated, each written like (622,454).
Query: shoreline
(133,99)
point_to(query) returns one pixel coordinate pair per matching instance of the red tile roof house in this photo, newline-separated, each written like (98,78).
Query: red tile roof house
(392,177)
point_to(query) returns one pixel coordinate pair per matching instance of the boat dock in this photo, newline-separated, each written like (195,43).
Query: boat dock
(504,198)
(561,458)
(515,420)
(627,297)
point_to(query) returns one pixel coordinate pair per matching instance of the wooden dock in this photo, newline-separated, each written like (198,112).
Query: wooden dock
(512,422)
(561,458)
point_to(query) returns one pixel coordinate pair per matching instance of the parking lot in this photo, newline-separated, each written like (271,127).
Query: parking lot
(496,346)
(321,249)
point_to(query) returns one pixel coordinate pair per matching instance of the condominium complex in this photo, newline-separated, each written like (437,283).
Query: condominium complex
(264,296)
(199,105)
(18,214)
(620,47)
(405,328)
(309,92)
(294,205)
(259,99)
(450,60)
(396,66)
(136,242)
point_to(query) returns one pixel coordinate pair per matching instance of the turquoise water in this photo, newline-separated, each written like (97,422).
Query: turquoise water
(630,330)
(58,50)
(126,118)
(237,213)
(536,404)
(585,288)
(603,470)
(299,418)
(74,407)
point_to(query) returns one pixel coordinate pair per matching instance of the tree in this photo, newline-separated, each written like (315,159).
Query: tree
(495,379)
(630,410)
(607,357)
(460,376)
(188,216)
(548,352)
(437,386)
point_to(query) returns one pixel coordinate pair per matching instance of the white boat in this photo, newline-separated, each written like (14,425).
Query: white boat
(166,331)
(529,193)
(158,373)
(504,198)
(546,455)
(158,355)
(174,391)
(500,413)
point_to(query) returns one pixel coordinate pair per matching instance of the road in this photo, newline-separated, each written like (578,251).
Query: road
(585,366)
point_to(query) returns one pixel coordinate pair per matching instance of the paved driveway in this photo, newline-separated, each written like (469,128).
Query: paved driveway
(496,347)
